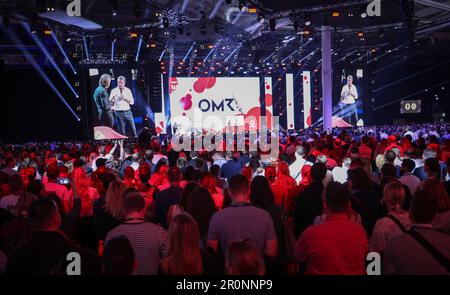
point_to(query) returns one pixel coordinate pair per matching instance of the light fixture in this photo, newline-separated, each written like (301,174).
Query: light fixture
(261,18)
(242,5)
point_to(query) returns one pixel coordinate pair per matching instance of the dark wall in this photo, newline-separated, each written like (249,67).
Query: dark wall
(30,110)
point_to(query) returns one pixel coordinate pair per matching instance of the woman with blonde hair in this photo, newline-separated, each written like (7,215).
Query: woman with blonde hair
(81,182)
(437,189)
(396,222)
(108,211)
(184,256)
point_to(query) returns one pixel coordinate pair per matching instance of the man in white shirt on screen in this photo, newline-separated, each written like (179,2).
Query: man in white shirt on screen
(121,98)
(349,95)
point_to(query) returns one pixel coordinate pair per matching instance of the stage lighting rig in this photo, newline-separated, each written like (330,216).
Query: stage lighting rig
(261,18)
(272,24)
(242,6)
(115,6)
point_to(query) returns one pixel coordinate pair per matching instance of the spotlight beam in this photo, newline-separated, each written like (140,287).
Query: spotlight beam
(209,54)
(139,48)
(113,45)
(189,51)
(85,47)
(41,73)
(64,53)
(50,58)
(215,9)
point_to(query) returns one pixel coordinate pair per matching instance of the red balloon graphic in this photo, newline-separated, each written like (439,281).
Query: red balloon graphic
(268,100)
(186,102)
(267,86)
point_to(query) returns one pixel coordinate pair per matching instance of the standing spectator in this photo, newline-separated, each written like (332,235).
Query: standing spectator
(231,168)
(261,196)
(328,176)
(338,246)
(209,182)
(397,220)
(47,247)
(15,188)
(410,253)
(242,221)
(308,203)
(118,258)
(408,178)
(244,259)
(215,171)
(108,210)
(365,199)
(159,178)
(52,184)
(437,190)
(148,240)
(300,161)
(184,255)
(17,231)
(200,205)
(167,197)
(340,173)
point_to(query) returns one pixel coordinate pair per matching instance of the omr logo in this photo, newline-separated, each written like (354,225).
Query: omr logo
(74,8)
(374,8)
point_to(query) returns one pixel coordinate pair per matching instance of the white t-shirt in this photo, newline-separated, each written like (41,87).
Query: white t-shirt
(117,97)
(346,94)
(340,174)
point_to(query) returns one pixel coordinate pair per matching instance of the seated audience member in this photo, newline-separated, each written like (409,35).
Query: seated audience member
(423,250)
(149,241)
(47,246)
(337,247)
(437,190)
(240,220)
(184,254)
(365,199)
(408,178)
(308,204)
(200,205)
(17,231)
(244,259)
(340,173)
(167,197)
(248,173)
(118,257)
(397,220)
(15,188)
(52,184)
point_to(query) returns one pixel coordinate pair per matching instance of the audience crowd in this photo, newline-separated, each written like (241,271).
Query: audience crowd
(142,208)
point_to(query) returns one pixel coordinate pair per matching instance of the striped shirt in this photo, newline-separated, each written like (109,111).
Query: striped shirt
(149,242)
